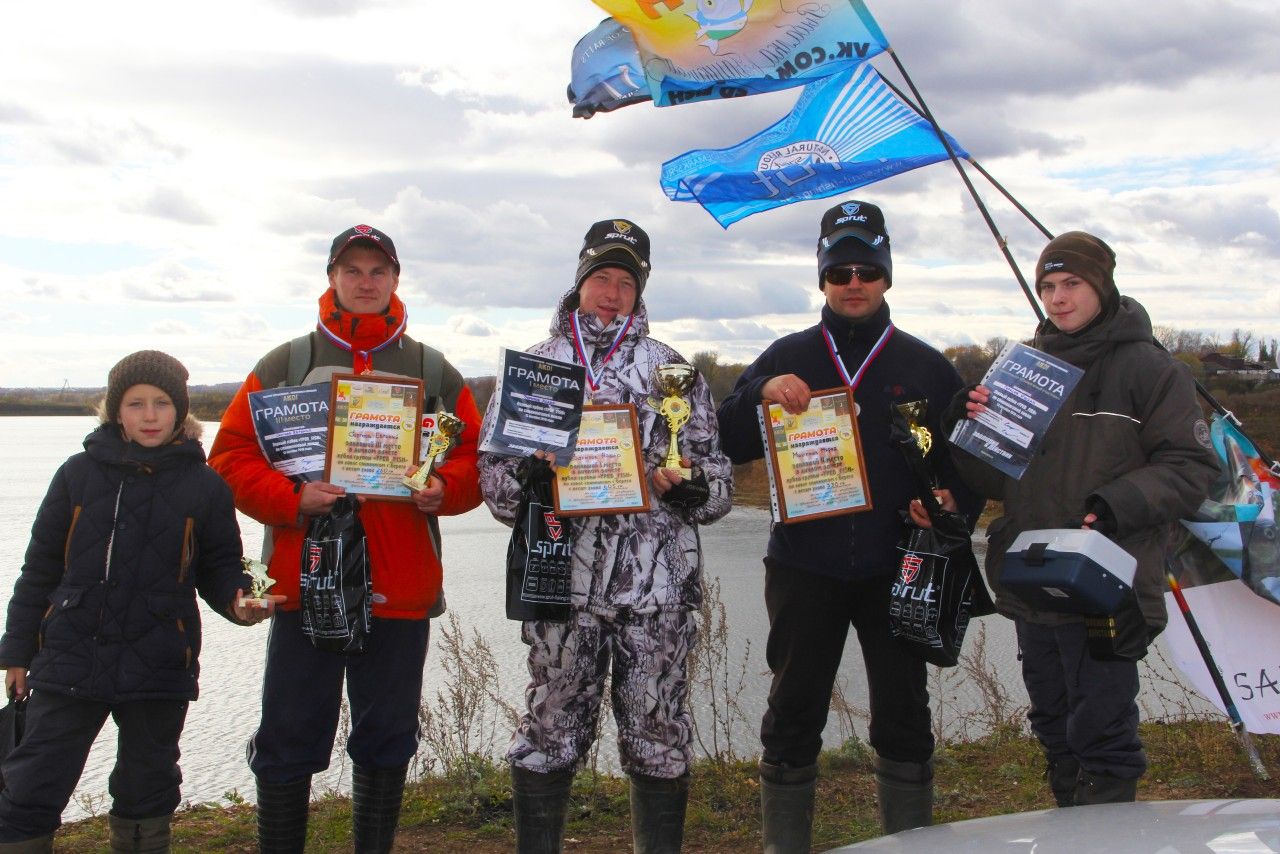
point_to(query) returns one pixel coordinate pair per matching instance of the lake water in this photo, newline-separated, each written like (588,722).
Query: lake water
(221,721)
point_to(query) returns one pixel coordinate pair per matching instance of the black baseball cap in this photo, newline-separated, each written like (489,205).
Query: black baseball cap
(853,233)
(615,243)
(367,234)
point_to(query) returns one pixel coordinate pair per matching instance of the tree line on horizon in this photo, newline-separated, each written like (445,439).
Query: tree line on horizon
(971,361)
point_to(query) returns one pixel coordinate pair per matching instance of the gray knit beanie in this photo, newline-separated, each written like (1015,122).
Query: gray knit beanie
(151,367)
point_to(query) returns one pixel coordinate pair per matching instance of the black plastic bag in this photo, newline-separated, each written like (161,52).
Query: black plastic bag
(939,587)
(13,720)
(937,591)
(336,587)
(540,553)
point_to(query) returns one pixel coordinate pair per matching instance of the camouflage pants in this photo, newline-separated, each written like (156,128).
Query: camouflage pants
(568,665)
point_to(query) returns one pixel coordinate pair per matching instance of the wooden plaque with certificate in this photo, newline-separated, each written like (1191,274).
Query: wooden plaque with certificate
(815,459)
(373,434)
(606,474)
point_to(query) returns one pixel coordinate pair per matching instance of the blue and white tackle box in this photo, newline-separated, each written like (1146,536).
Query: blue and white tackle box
(1068,570)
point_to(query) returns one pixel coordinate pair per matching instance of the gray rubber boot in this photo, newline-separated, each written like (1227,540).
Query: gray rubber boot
(1095,788)
(540,802)
(282,816)
(142,836)
(904,791)
(39,845)
(657,813)
(376,796)
(1063,774)
(786,807)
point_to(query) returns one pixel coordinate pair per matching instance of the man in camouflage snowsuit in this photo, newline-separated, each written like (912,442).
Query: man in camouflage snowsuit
(636,577)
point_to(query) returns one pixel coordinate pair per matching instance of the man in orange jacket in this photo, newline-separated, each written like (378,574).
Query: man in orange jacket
(360,329)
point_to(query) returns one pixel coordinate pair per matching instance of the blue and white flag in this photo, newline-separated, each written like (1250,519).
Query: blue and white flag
(845,131)
(605,71)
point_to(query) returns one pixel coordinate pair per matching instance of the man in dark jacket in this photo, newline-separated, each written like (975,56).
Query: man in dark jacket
(1127,455)
(821,575)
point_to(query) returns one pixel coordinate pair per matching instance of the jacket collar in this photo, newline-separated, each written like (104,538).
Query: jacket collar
(861,333)
(361,332)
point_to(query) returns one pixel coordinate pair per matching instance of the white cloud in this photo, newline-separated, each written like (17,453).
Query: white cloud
(178,171)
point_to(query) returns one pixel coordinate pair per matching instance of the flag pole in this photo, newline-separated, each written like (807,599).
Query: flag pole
(1001,242)
(922,110)
(976,165)
(1237,724)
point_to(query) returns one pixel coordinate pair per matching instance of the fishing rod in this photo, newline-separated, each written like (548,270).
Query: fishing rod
(1237,723)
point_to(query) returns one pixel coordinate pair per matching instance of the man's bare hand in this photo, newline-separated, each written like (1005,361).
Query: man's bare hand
(430,497)
(788,390)
(318,498)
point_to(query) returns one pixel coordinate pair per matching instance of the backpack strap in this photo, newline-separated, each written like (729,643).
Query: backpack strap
(299,360)
(432,371)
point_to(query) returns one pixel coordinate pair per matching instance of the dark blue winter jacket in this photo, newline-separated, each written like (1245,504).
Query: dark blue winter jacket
(105,606)
(861,545)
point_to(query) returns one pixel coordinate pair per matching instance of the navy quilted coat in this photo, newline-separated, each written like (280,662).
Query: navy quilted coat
(105,607)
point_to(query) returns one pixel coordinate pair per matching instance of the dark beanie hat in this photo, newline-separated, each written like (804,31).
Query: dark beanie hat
(1087,257)
(854,233)
(615,243)
(152,368)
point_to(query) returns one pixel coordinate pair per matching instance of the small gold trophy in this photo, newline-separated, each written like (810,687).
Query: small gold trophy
(256,570)
(448,426)
(674,380)
(914,413)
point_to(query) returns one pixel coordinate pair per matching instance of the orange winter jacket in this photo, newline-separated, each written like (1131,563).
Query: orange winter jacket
(404,543)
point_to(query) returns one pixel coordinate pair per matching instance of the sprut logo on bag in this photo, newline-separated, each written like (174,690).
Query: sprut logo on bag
(548,570)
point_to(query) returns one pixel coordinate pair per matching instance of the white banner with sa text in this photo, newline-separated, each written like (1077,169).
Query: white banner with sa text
(1243,633)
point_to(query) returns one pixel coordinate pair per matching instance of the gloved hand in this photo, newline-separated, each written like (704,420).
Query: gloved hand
(534,470)
(1106,523)
(689,494)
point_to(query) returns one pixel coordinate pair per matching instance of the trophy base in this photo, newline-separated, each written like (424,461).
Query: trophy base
(686,473)
(254,603)
(412,484)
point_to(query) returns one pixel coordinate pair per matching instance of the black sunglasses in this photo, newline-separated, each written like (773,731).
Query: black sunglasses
(844,275)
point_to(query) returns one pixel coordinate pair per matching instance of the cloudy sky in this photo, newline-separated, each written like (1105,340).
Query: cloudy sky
(171,174)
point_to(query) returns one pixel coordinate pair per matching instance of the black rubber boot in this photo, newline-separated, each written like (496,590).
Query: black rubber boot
(657,813)
(376,795)
(786,807)
(904,791)
(139,835)
(1063,773)
(1095,788)
(282,816)
(540,802)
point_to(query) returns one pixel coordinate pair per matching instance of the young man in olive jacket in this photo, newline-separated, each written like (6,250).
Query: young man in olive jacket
(1127,455)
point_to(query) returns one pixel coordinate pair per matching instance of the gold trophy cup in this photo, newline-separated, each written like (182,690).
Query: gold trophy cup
(914,413)
(256,570)
(674,380)
(448,426)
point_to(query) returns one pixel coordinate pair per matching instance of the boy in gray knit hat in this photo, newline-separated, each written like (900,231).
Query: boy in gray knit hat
(103,621)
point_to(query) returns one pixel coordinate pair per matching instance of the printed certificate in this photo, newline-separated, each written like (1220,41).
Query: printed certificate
(814,459)
(539,404)
(292,425)
(606,474)
(374,427)
(1028,388)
